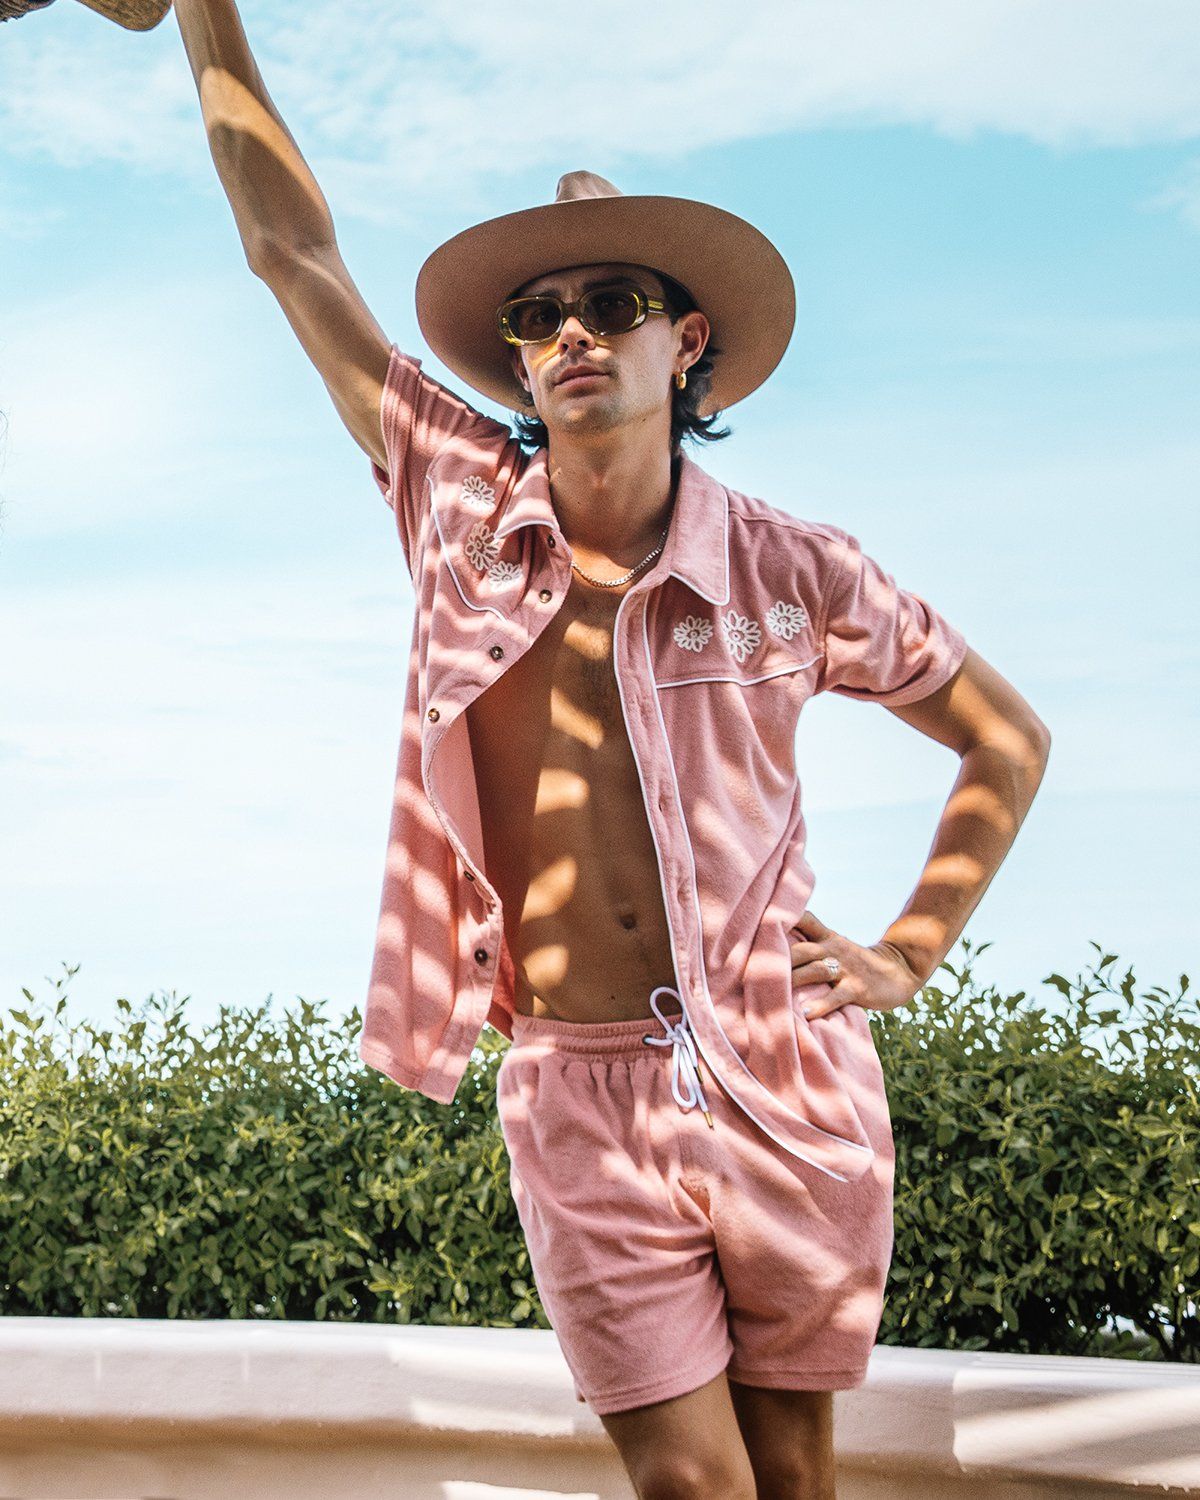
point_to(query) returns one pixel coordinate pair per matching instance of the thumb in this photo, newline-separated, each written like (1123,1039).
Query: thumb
(812,926)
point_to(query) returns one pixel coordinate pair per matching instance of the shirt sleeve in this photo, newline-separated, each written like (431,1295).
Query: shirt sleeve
(882,643)
(419,417)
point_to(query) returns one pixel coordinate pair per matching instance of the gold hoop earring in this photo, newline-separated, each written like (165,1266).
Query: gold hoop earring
(681,378)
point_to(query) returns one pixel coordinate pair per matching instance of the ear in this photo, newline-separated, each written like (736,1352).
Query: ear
(692,333)
(518,366)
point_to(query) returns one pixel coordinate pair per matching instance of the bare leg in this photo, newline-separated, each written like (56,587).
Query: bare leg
(687,1448)
(789,1439)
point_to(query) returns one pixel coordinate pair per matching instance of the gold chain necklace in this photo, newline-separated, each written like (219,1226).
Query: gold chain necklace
(612,583)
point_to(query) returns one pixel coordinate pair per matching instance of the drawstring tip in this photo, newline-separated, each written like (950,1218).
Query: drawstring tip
(709,1118)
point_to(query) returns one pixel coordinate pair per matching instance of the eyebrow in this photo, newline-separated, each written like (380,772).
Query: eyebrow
(616,280)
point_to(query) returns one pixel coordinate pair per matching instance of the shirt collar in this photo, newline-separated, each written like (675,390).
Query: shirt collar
(696,550)
(697,545)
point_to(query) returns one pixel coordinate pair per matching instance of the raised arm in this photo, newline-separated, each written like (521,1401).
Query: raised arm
(284,221)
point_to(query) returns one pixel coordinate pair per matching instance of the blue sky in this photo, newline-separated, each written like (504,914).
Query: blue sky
(992,214)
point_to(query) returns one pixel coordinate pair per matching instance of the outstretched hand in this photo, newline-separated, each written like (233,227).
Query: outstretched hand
(877,978)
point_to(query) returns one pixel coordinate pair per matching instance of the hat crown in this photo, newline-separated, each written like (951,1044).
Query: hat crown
(573,185)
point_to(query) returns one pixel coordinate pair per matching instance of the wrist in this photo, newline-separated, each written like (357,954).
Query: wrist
(917,965)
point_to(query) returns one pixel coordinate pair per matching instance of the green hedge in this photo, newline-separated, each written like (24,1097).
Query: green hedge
(1047,1175)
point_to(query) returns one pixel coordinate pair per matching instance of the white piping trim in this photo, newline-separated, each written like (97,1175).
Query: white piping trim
(745,681)
(841,1139)
(516,526)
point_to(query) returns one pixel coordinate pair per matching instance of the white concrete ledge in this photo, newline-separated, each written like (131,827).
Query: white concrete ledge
(128,1409)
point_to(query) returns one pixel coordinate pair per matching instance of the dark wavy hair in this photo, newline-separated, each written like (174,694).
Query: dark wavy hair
(686,421)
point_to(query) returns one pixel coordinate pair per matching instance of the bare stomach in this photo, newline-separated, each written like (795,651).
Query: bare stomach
(567,843)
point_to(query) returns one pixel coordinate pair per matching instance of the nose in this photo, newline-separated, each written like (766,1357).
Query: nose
(573,335)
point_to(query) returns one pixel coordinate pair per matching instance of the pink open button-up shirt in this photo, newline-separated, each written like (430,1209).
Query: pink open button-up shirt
(747,612)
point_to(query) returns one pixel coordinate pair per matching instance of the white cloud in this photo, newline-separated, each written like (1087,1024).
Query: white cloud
(388,102)
(112,396)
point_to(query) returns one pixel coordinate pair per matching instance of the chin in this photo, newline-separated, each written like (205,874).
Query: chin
(590,417)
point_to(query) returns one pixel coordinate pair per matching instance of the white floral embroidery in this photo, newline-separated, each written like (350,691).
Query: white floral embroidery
(742,635)
(477,492)
(693,632)
(503,575)
(481,546)
(786,619)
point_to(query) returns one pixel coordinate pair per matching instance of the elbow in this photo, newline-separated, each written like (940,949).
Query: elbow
(262,257)
(1041,738)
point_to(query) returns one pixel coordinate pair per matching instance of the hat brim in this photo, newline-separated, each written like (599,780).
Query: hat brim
(134,15)
(735,274)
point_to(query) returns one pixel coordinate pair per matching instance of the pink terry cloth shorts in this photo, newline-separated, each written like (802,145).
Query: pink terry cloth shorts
(665,1250)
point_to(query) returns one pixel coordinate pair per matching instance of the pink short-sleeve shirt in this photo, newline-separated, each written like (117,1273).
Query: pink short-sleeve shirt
(747,612)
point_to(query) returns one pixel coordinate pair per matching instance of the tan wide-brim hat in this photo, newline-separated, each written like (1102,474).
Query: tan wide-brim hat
(738,279)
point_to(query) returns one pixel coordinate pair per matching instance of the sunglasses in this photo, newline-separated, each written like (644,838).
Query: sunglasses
(604,310)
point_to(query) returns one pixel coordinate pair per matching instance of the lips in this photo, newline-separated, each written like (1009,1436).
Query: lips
(566,376)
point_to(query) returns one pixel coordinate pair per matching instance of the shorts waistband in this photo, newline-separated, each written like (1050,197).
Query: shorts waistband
(611,1039)
(591,1038)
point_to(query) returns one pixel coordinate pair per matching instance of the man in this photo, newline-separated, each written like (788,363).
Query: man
(596,840)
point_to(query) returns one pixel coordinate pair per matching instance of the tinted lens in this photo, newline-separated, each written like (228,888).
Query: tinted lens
(610,309)
(534,318)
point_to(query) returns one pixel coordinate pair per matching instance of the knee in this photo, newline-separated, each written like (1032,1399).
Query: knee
(686,1477)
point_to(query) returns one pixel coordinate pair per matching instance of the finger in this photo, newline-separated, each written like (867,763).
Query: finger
(806,953)
(812,926)
(814,973)
(815,1009)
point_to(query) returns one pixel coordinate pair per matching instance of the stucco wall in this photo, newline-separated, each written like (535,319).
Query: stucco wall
(168,1410)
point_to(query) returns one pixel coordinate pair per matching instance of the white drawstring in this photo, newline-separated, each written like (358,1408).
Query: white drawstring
(679,1037)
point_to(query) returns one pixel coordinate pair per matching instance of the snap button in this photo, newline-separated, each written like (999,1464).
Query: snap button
(550,542)
(433,714)
(481,955)
(496,652)
(545,595)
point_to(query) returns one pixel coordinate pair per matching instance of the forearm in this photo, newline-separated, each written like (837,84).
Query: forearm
(274,197)
(987,805)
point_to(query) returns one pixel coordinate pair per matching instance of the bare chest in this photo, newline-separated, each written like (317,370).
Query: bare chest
(566,839)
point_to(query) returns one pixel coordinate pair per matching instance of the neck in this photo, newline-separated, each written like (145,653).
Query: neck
(612,495)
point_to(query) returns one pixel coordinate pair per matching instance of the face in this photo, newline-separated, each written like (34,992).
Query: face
(630,375)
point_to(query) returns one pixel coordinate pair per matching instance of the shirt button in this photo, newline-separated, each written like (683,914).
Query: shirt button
(496,652)
(550,542)
(481,955)
(545,595)
(470,874)
(433,714)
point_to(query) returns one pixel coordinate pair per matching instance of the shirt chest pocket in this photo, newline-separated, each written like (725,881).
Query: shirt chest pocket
(714,644)
(731,685)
